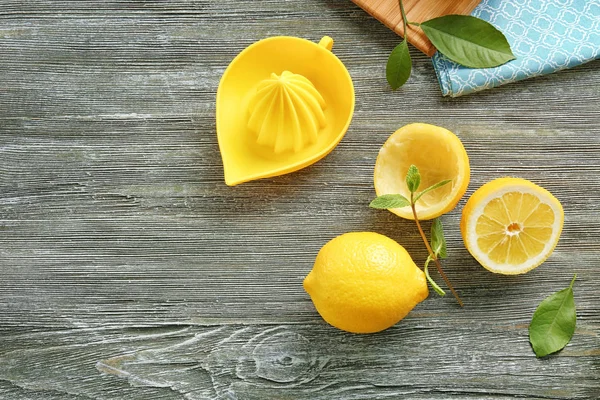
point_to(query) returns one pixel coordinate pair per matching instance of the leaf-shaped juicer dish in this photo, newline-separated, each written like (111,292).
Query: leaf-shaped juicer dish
(282,104)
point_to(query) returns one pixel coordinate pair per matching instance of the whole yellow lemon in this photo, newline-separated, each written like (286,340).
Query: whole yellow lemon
(364,282)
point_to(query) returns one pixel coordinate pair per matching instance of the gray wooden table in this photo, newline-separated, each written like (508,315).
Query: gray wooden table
(129,270)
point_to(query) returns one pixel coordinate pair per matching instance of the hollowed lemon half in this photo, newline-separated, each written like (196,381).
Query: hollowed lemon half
(438,154)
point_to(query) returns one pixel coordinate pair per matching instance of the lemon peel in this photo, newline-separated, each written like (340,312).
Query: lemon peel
(364,282)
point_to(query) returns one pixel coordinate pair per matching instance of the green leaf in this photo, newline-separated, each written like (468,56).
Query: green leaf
(438,241)
(553,322)
(468,40)
(413,178)
(398,66)
(434,285)
(390,201)
(432,187)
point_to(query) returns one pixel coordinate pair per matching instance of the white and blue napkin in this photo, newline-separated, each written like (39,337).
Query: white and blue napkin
(545,35)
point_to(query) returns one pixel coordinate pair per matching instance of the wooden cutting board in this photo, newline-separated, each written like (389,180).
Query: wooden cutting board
(388,12)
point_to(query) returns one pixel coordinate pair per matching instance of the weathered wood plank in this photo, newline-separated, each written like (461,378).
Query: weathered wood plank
(303,360)
(120,244)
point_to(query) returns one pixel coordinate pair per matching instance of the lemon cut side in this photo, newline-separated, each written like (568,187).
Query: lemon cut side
(438,154)
(511,225)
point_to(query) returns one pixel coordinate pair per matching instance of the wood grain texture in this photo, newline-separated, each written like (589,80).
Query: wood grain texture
(388,12)
(129,270)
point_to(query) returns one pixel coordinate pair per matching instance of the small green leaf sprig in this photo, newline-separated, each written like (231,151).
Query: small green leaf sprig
(464,39)
(553,322)
(437,248)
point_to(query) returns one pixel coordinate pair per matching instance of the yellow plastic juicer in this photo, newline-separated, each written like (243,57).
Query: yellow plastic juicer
(282,104)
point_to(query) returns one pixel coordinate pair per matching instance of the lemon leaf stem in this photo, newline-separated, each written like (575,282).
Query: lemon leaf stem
(434,285)
(432,187)
(432,254)
(437,249)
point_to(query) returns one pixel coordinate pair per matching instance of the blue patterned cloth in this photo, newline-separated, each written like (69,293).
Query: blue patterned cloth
(545,36)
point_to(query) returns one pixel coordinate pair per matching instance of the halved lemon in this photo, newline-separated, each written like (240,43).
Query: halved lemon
(511,225)
(438,154)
